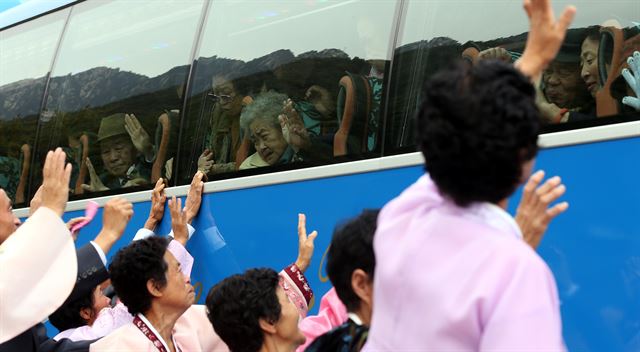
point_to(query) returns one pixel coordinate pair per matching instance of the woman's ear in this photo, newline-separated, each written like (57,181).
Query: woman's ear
(154,288)
(267,326)
(86,313)
(362,286)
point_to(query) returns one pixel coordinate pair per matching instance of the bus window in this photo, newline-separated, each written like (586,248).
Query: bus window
(26,52)
(582,87)
(115,91)
(319,64)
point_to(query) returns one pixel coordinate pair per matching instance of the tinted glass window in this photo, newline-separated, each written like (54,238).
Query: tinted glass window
(115,90)
(582,87)
(328,57)
(26,53)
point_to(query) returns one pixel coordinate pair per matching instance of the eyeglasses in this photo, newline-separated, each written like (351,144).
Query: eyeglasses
(223,98)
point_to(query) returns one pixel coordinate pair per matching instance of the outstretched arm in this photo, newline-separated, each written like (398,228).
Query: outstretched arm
(535,211)
(546,35)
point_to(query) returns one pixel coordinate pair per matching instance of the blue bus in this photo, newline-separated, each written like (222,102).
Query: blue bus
(138,90)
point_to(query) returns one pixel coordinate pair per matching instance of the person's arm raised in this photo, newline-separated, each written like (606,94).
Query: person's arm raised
(117,213)
(535,211)
(194,197)
(55,184)
(545,38)
(158,199)
(178,221)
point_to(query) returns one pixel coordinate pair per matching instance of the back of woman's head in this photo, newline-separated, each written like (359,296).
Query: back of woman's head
(476,127)
(236,304)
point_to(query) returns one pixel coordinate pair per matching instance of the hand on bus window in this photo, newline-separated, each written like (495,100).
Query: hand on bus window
(305,244)
(139,136)
(158,199)
(115,217)
(138,181)
(495,54)
(633,80)
(546,35)
(194,197)
(55,183)
(36,201)
(534,212)
(95,183)
(205,161)
(178,221)
(293,130)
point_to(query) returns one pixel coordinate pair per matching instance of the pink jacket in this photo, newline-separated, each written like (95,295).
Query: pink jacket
(458,279)
(332,313)
(192,333)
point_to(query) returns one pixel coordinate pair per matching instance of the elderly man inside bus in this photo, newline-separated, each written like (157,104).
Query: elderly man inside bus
(127,154)
(278,133)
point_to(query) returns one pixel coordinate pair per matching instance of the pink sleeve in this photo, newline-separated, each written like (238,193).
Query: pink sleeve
(109,319)
(527,314)
(297,288)
(332,313)
(182,256)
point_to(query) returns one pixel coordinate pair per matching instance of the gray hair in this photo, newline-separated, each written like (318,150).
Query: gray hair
(266,106)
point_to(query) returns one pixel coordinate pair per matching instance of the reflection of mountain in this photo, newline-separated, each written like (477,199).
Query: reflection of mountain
(101,85)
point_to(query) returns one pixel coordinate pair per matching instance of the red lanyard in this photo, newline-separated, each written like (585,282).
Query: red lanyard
(150,334)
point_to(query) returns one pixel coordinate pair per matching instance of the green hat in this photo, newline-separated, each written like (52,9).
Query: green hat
(111,126)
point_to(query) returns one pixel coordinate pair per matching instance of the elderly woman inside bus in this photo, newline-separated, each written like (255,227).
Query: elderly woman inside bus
(278,133)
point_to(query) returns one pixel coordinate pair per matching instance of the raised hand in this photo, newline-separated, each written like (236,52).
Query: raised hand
(74,221)
(496,53)
(95,183)
(205,161)
(545,38)
(178,221)
(305,244)
(534,212)
(158,199)
(292,126)
(55,183)
(139,136)
(632,76)
(194,197)
(36,201)
(117,213)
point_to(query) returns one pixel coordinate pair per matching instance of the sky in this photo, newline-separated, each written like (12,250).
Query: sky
(11,11)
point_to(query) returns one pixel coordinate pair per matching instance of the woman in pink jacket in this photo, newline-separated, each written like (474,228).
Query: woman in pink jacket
(453,272)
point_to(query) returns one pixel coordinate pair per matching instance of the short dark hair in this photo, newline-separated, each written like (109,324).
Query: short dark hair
(68,315)
(133,266)
(352,248)
(477,125)
(236,304)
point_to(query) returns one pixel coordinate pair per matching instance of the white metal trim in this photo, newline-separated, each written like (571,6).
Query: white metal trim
(551,140)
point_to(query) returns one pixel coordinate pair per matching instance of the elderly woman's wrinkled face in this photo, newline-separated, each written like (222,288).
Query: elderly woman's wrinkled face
(589,65)
(563,84)
(178,292)
(268,140)
(226,95)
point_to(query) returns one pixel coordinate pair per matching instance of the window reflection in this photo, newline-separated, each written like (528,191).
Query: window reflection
(115,92)
(251,53)
(583,84)
(26,53)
